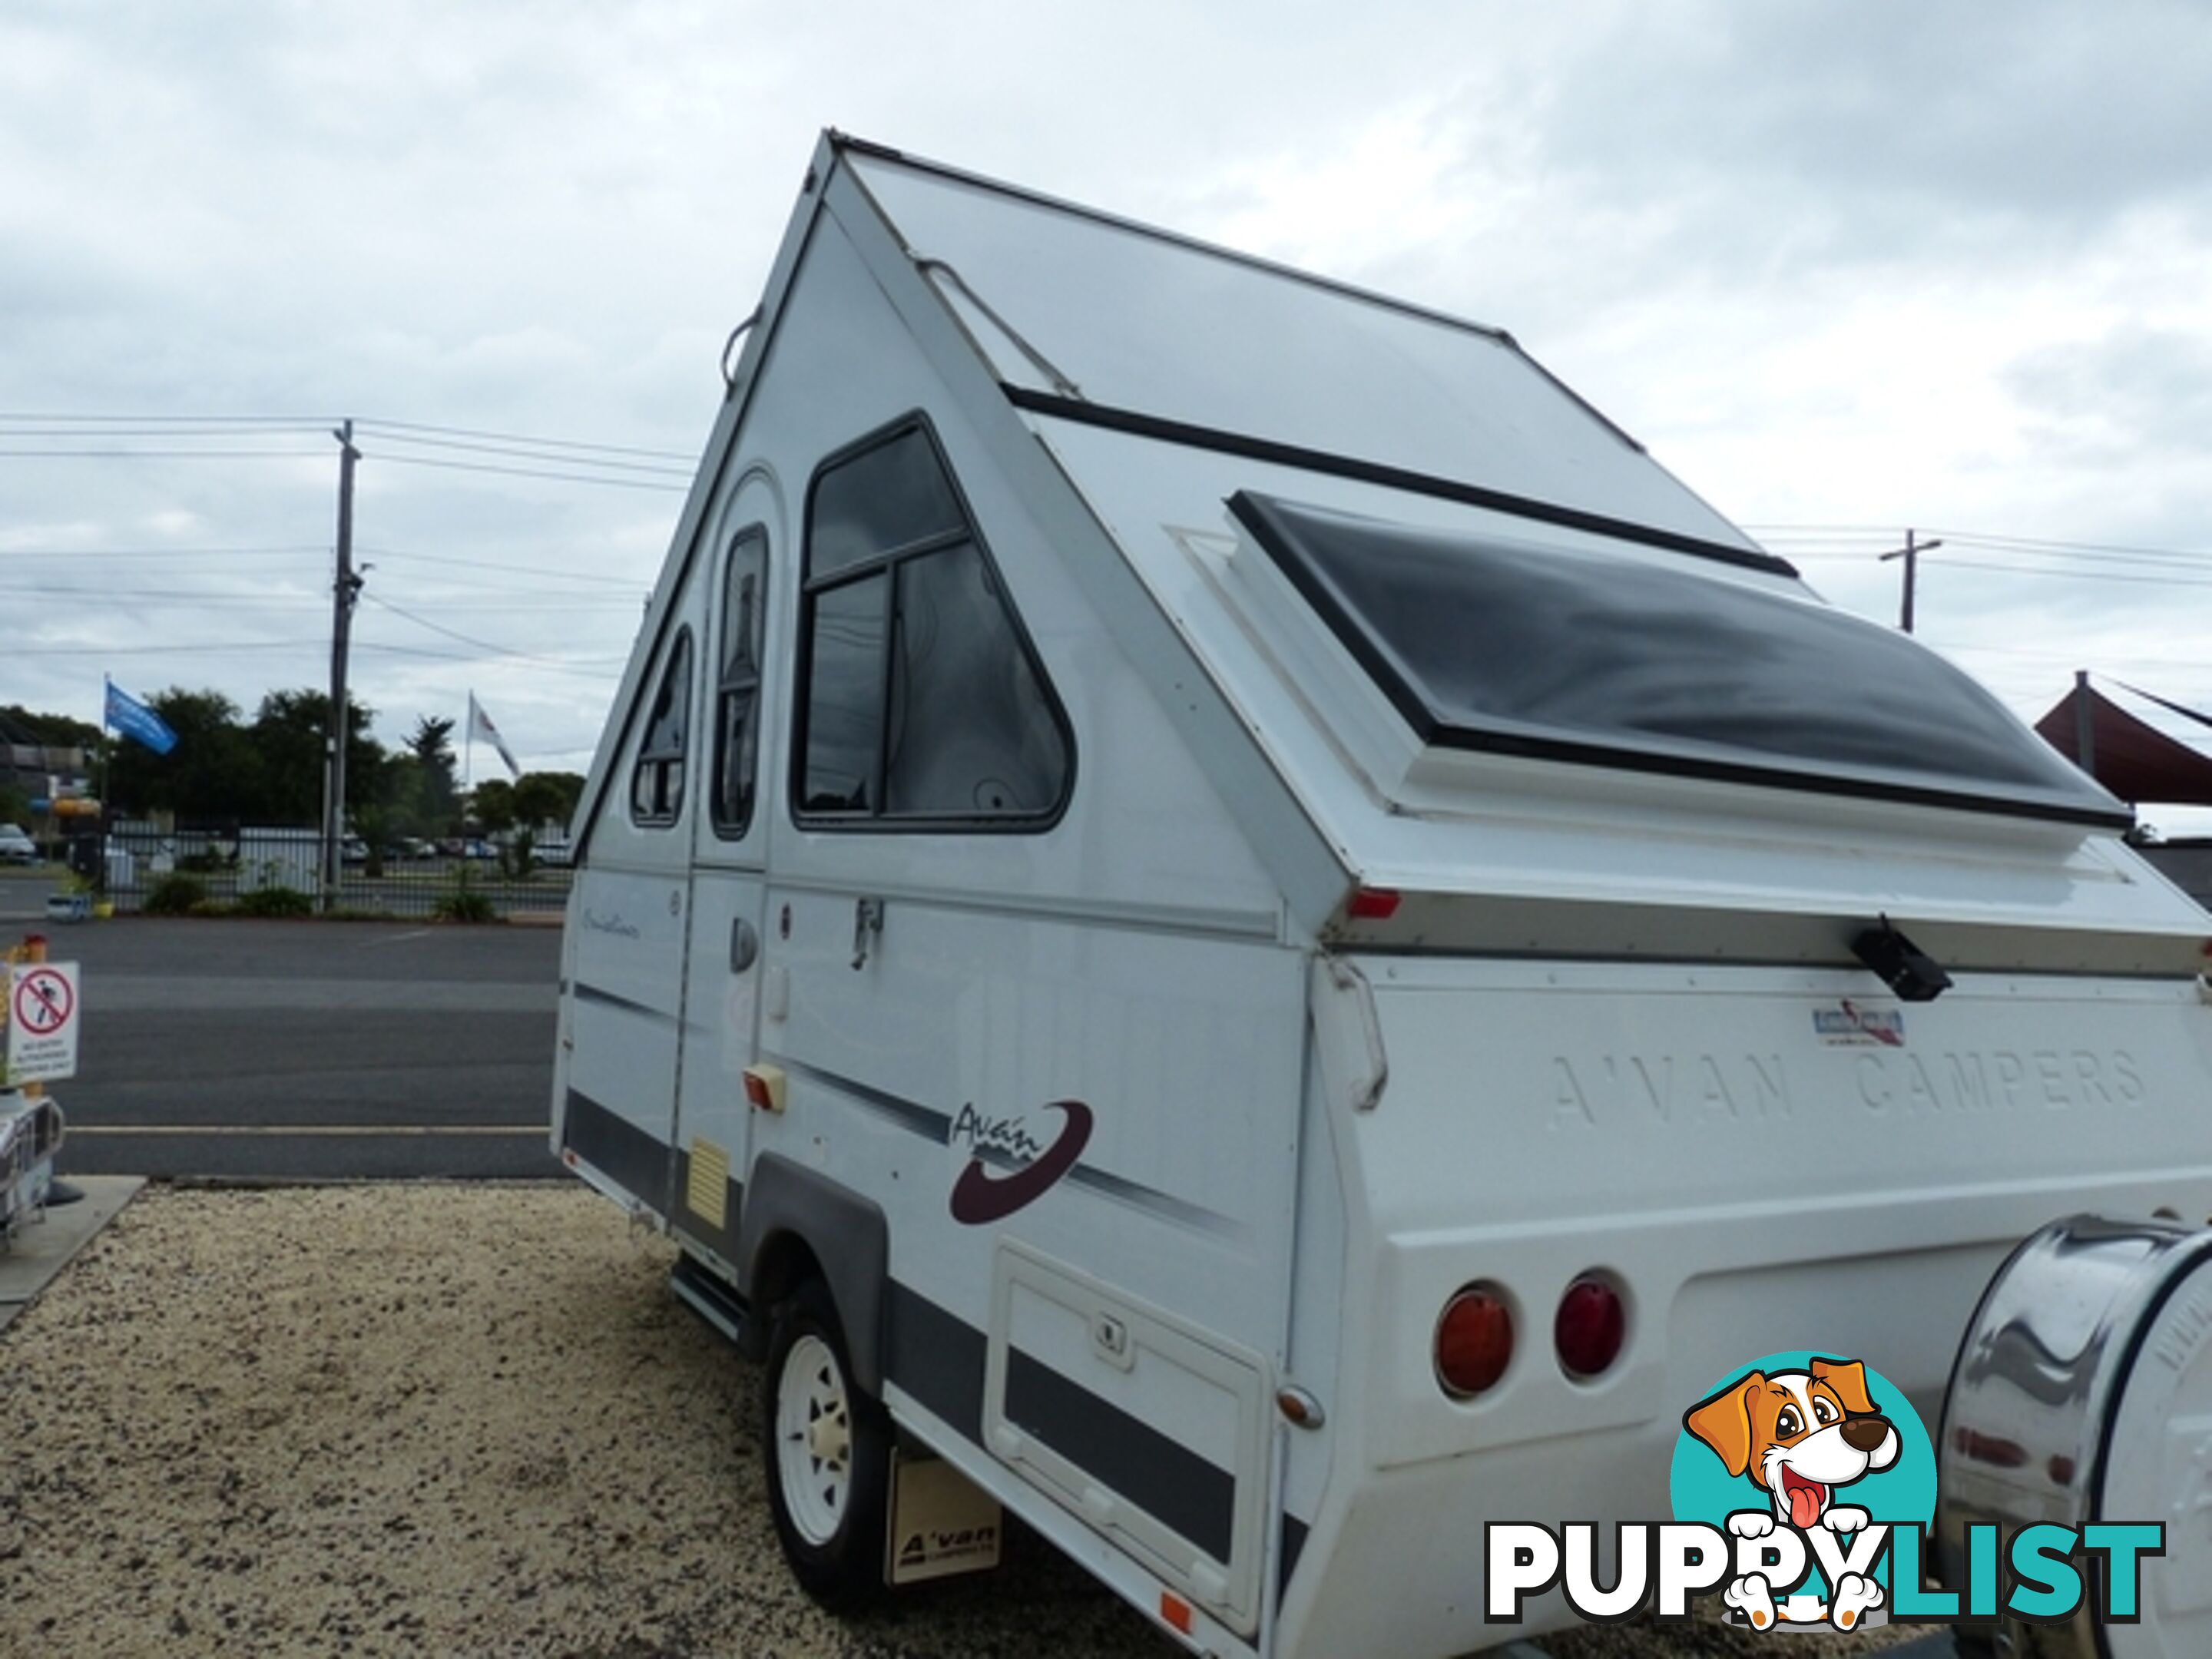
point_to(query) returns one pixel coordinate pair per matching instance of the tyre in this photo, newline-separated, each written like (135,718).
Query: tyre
(826,1447)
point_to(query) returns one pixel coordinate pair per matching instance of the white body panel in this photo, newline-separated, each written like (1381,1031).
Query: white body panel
(1585,1041)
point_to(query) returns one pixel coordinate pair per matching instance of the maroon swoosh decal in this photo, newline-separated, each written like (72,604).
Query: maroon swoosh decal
(979,1196)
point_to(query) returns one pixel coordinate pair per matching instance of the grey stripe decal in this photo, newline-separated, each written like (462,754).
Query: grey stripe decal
(584,992)
(935,1126)
(1164,1205)
(618,1149)
(1163,1477)
(908,1115)
(938,1358)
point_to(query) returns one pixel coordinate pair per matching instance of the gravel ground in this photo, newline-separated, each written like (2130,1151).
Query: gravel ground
(437,1420)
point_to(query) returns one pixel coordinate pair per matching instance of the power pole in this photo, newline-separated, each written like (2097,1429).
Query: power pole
(344,588)
(1909,553)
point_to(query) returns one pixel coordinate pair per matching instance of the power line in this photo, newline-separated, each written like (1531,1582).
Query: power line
(160,454)
(526,473)
(465,639)
(522,438)
(517,452)
(160,552)
(627,584)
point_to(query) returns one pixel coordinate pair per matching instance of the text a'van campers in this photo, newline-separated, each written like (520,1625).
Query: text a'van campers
(1215,913)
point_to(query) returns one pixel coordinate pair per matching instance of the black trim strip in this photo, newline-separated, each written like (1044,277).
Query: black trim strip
(584,992)
(1294,1544)
(618,1149)
(938,1358)
(1195,1498)
(1392,477)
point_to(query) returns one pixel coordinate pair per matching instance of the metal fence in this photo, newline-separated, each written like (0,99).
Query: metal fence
(274,872)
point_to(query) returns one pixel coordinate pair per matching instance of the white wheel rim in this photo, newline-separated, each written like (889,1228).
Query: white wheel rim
(814,1439)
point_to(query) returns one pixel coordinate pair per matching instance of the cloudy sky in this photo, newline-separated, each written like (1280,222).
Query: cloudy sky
(1845,269)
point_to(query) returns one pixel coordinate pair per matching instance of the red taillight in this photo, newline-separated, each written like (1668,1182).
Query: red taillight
(1474,1340)
(1591,1325)
(1375,904)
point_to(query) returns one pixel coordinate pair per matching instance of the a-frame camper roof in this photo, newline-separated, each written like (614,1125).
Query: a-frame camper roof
(1093,318)
(1079,315)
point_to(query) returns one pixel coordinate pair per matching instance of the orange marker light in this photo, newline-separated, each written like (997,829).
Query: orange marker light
(1175,1611)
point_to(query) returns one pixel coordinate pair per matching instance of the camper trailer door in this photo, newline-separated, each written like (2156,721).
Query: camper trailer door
(723,959)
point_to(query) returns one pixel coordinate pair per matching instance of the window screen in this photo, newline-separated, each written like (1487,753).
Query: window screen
(921,699)
(737,702)
(1488,644)
(656,791)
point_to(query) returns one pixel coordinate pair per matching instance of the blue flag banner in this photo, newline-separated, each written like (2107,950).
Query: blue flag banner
(136,721)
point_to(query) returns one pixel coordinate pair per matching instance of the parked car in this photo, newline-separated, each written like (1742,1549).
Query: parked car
(16,846)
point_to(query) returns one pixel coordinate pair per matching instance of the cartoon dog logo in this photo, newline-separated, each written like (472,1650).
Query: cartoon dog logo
(1799,1436)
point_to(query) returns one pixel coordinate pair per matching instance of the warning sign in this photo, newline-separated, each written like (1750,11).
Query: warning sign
(41,1016)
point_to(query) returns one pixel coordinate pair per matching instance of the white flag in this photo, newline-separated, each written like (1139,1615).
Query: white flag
(480,726)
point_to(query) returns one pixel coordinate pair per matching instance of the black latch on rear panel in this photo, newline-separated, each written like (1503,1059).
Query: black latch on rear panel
(1901,964)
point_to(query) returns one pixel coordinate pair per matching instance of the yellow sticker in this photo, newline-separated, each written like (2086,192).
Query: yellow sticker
(707,1192)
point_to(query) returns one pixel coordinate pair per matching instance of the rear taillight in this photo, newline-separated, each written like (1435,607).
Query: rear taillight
(1590,1327)
(1474,1341)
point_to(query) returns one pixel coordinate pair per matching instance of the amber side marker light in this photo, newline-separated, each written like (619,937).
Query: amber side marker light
(1590,1327)
(1175,1611)
(1474,1341)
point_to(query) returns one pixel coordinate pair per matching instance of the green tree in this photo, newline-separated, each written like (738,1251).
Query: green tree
(287,735)
(21,725)
(491,805)
(544,797)
(212,774)
(439,796)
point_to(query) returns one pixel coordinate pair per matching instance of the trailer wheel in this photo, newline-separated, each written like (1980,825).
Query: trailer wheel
(827,1447)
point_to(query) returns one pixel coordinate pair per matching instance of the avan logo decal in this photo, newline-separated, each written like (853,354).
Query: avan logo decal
(1803,1487)
(978,1196)
(1847,1024)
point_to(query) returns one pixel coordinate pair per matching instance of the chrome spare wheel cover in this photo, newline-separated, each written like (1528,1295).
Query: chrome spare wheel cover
(2083,1394)
(814,1439)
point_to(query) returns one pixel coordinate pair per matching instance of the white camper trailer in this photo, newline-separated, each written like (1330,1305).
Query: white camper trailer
(1210,898)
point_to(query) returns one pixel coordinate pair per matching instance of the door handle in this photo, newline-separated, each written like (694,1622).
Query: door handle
(868,922)
(745,945)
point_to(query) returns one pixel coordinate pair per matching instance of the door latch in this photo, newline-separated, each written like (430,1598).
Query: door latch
(867,923)
(745,945)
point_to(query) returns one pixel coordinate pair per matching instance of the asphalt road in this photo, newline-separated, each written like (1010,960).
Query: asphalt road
(305,1050)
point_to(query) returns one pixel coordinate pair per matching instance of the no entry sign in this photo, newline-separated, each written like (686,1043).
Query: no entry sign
(41,1012)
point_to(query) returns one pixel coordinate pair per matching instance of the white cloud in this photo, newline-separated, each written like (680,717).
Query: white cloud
(1941,264)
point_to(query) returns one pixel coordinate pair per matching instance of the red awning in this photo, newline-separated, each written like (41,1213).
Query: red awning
(2136,762)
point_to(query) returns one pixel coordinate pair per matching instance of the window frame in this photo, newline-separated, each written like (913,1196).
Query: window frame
(885,563)
(682,646)
(724,828)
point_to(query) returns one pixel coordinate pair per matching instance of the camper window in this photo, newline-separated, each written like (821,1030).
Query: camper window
(1624,661)
(656,791)
(922,700)
(736,705)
